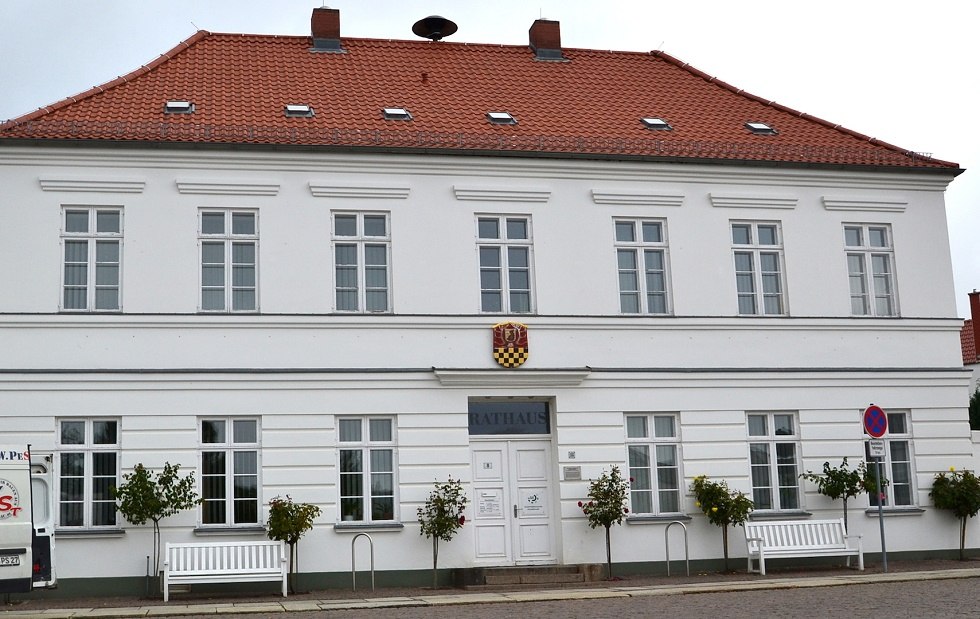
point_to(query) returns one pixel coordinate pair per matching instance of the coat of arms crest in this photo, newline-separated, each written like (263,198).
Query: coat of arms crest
(510,344)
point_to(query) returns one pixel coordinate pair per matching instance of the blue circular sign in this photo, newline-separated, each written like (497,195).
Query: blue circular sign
(875,421)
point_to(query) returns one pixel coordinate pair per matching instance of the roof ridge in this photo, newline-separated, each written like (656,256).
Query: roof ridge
(785,108)
(101,88)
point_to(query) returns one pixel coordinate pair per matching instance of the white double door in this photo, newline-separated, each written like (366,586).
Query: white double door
(514,510)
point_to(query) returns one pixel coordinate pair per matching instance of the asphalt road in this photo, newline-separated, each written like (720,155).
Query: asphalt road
(917,599)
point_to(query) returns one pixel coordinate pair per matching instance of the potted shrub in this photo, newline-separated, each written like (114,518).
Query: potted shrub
(721,505)
(289,521)
(607,506)
(842,482)
(958,492)
(144,497)
(441,516)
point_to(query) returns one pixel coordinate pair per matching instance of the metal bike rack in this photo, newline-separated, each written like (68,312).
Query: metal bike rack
(687,556)
(353,569)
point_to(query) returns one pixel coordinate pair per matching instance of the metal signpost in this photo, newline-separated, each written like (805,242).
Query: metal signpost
(876,425)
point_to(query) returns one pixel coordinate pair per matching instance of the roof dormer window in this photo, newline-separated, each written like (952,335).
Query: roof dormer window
(657,124)
(501,118)
(298,111)
(396,113)
(760,128)
(178,107)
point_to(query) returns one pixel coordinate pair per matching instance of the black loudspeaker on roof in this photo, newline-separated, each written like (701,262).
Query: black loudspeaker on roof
(434,27)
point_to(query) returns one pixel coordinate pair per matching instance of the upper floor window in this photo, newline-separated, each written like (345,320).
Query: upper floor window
(361,243)
(758,251)
(504,245)
(367,468)
(229,252)
(230,471)
(870,271)
(897,463)
(652,444)
(774,460)
(641,256)
(92,239)
(88,469)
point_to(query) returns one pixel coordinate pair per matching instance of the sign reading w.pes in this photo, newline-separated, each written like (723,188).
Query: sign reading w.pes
(510,347)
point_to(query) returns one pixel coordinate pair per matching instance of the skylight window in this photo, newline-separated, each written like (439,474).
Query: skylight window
(760,128)
(396,113)
(655,123)
(178,107)
(299,111)
(501,118)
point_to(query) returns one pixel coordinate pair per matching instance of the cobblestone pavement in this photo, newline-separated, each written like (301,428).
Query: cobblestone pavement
(926,589)
(924,599)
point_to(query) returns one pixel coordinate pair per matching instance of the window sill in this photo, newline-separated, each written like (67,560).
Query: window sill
(61,533)
(658,519)
(220,531)
(872,512)
(779,515)
(354,527)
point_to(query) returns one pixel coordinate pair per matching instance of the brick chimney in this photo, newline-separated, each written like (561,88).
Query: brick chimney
(325,28)
(975,316)
(545,37)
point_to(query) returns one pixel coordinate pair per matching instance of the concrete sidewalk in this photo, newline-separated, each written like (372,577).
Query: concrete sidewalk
(611,590)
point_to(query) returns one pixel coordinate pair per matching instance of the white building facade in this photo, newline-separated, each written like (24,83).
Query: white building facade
(318,324)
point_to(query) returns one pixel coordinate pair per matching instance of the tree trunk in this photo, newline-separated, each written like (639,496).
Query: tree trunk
(724,543)
(156,554)
(435,561)
(292,567)
(845,514)
(609,574)
(962,539)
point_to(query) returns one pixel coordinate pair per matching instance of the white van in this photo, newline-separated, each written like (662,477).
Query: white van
(16,520)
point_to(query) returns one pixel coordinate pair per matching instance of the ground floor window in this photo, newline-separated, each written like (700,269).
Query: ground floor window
(774,460)
(367,468)
(230,471)
(88,469)
(654,463)
(896,466)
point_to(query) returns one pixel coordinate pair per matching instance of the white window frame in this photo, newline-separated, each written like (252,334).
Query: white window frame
(639,290)
(348,505)
(760,287)
(230,447)
(94,267)
(364,295)
(873,290)
(508,271)
(771,440)
(644,439)
(229,240)
(92,496)
(897,467)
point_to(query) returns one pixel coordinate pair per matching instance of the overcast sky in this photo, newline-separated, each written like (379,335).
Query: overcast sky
(901,71)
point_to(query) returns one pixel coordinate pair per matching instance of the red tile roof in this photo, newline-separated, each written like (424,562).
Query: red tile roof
(968,343)
(591,104)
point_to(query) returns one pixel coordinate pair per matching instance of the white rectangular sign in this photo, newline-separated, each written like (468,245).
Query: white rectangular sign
(876,448)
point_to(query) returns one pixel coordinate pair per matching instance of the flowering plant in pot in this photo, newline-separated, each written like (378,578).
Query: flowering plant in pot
(958,492)
(721,505)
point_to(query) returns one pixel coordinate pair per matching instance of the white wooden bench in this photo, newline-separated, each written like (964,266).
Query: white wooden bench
(799,538)
(214,562)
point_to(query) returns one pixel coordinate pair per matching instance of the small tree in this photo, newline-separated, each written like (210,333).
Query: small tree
(842,482)
(959,492)
(288,521)
(143,497)
(975,409)
(721,505)
(441,516)
(607,506)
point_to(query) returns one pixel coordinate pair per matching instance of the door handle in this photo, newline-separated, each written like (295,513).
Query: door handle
(515,511)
